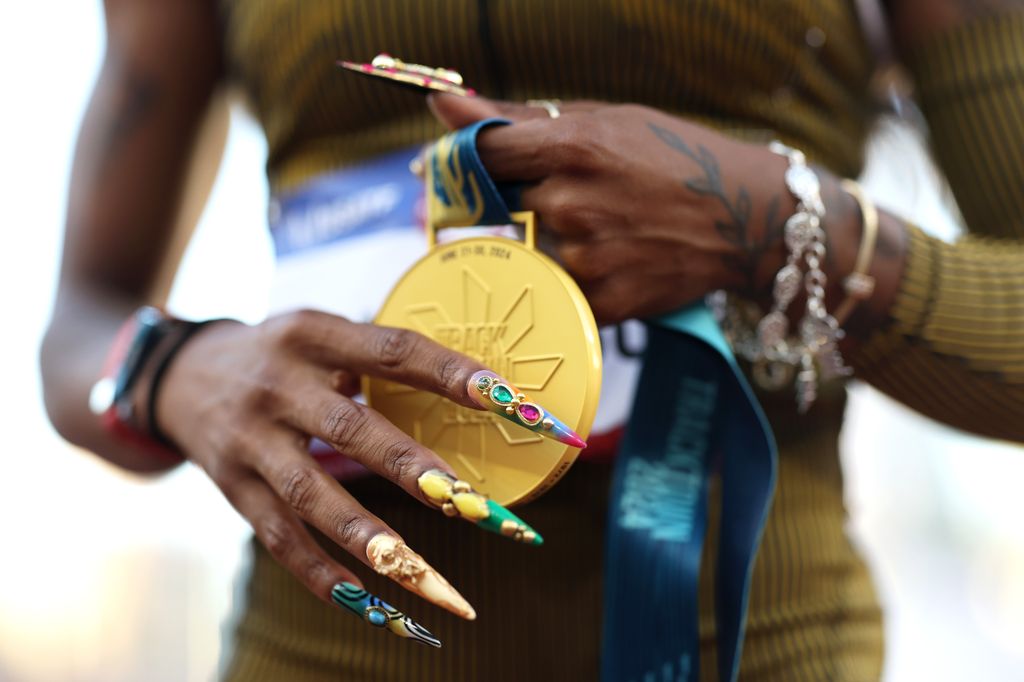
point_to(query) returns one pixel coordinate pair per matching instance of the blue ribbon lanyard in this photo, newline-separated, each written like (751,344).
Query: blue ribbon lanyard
(694,415)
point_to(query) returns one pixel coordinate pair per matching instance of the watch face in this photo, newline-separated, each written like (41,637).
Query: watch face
(101,397)
(522,316)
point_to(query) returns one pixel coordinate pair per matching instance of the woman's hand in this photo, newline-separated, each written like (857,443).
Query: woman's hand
(648,211)
(243,401)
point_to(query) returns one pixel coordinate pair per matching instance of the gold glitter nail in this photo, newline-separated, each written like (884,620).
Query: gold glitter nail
(391,557)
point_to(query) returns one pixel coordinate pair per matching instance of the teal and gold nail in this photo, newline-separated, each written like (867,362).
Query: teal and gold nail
(499,396)
(380,614)
(457,498)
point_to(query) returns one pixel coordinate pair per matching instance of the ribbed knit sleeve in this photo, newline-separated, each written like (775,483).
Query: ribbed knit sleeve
(955,348)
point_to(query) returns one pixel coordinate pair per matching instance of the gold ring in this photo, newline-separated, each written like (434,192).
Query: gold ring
(548,105)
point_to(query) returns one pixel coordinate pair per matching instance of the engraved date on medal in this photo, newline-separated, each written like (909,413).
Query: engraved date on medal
(475,250)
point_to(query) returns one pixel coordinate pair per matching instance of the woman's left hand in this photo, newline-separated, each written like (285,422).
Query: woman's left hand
(647,211)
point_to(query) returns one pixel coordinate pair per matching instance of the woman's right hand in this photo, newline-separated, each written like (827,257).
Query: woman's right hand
(243,401)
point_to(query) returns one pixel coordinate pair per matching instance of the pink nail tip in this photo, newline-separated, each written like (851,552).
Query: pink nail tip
(576,441)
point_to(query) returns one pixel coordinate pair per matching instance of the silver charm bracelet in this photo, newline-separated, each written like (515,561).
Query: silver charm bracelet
(771,348)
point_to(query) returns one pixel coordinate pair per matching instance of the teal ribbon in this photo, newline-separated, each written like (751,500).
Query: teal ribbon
(694,417)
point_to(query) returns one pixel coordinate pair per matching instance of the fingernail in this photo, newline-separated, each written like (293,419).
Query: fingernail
(391,557)
(380,614)
(499,396)
(457,498)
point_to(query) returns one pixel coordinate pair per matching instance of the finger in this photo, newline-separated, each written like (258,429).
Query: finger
(535,149)
(390,353)
(317,498)
(535,146)
(410,358)
(286,539)
(458,112)
(364,435)
(614,299)
(521,152)
(555,108)
(605,254)
(455,111)
(291,545)
(504,157)
(561,207)
(345,382)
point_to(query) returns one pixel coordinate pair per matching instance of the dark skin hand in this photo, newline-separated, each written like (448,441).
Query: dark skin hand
(650,212)
(647,210)
(240,401)
(243,401)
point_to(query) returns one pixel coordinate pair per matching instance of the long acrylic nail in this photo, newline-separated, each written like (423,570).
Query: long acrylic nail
(391,557)
(380,614)
(499,396)
(457,498)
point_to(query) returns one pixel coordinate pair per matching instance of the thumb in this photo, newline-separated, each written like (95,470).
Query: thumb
(456,112)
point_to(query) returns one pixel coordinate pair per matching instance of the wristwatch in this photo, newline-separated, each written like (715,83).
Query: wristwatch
(145,343)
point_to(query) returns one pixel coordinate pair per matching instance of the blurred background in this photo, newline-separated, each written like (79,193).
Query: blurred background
(109,577)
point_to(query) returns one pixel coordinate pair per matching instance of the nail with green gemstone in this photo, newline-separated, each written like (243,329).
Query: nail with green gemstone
(499,396)
(457,498)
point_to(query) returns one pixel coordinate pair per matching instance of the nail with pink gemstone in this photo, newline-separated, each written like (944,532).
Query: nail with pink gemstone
(499,396)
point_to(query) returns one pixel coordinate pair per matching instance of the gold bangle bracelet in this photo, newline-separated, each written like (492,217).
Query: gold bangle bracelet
(859,285)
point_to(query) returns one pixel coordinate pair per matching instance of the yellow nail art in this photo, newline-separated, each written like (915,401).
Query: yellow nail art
(436,486)
(457,498)
(471,505)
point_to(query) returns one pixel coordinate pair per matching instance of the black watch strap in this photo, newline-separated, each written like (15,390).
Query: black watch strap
(188,330)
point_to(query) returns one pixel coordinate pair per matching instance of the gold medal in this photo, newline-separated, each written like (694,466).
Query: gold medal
(515,310)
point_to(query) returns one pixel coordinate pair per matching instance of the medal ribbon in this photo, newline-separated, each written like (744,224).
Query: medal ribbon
(694,416)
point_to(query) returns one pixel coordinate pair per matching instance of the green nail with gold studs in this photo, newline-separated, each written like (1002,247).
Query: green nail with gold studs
(457,498)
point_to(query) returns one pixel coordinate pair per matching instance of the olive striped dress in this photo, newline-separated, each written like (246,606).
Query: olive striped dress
(797,70)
